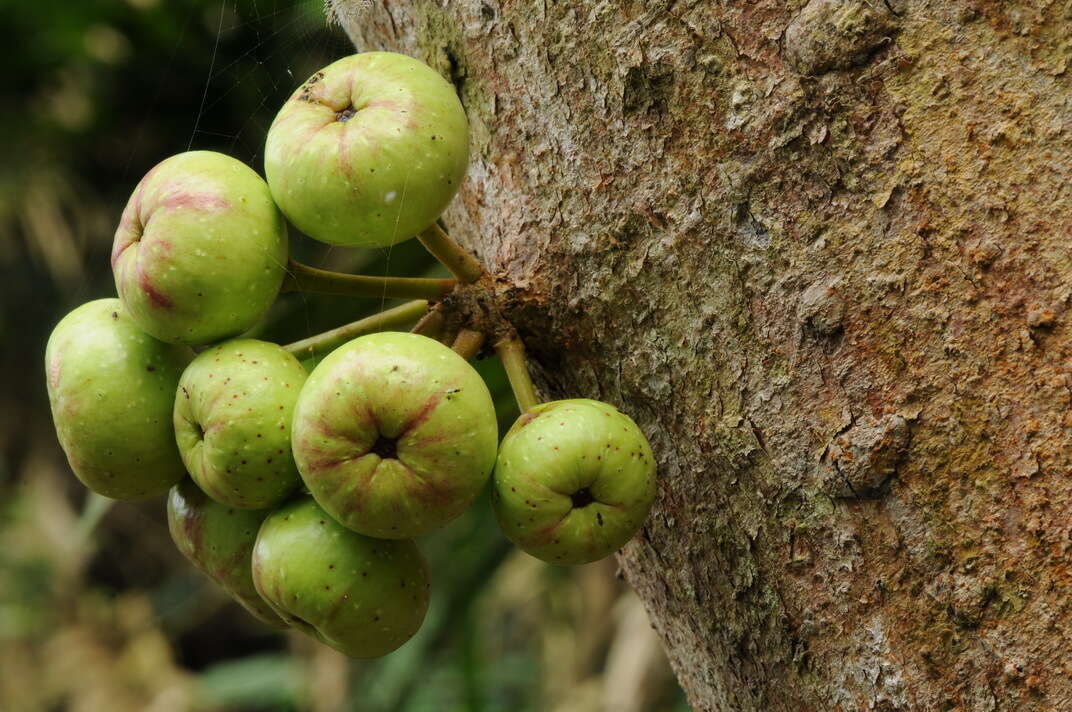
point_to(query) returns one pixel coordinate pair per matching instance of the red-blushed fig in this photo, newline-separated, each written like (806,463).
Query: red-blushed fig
(368,151)
(362,596)
(394,434)
(218,540)
(112,388)
(574,481)
(201,249)
(232,422)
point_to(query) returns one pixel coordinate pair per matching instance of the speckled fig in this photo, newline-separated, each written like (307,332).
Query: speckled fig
(112,387)
(218,540)
(394,434)
(232,422)
(201,249)
(574,481)
(364,597)
(368,151)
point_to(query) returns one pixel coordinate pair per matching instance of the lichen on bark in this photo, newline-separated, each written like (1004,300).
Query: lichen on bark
(785,237)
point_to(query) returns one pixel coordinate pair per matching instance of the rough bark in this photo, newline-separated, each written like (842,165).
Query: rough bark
(820,251)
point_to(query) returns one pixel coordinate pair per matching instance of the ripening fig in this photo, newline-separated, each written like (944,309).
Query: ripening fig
(232,422)
(112,387)
(368,151)
(394,434)
(218,540)
(201,249)
(364,597)
(574,481)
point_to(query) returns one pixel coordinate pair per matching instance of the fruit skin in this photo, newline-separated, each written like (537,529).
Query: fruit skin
(219,540)
(404,388)
(375,176)
(232,419)
(574,481)
(111,387)
(200,251)
(362,596)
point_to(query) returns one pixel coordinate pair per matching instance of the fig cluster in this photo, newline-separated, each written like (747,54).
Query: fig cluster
(301,493)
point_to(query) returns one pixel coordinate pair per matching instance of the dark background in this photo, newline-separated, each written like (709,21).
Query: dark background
(97,610)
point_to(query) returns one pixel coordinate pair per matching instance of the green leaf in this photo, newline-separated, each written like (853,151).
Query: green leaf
(273,681)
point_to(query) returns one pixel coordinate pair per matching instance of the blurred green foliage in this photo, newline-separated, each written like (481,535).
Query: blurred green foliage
(97,609)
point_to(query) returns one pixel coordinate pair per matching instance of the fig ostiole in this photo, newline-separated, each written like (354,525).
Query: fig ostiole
(574,481)
(111,388)
(201,249)
(394,434)
(368,151)
(219,540)
(233,410)
(362,596)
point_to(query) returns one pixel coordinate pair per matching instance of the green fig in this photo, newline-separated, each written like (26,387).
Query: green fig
(368,151)
(394,434)
(111,387)
(201,249)
(232,422)
(574,481)
(219,540)
(364,597)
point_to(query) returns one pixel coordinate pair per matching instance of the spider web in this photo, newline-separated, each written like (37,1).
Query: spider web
(262,51)
(269,36)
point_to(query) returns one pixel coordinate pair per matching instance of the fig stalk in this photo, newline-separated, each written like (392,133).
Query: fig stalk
(454,257)
(303,278)
(468,343)
(512,353)
(385,320)
(431,325)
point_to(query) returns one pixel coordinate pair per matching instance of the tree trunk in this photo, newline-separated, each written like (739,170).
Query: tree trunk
(820,252)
